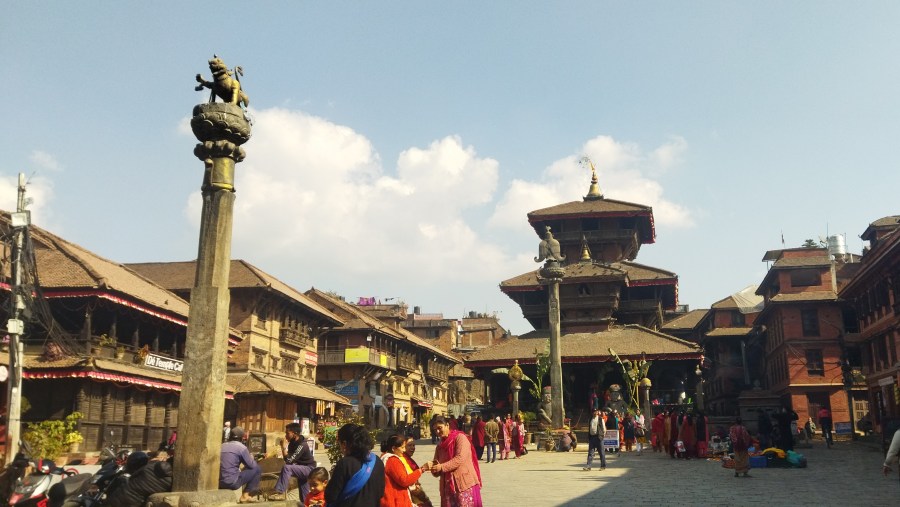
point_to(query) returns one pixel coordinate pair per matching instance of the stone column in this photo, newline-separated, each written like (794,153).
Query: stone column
(221,128)
(516,387)
(558,413)
(551,274)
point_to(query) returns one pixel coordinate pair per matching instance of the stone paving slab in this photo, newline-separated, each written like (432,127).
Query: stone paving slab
(847,475)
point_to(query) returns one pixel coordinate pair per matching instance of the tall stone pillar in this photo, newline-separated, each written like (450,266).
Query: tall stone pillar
(221,129)
(515,378)
(551,275)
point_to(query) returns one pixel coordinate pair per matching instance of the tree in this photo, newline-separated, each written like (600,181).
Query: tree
(810,243)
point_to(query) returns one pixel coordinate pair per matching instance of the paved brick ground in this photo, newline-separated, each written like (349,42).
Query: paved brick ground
(847,475)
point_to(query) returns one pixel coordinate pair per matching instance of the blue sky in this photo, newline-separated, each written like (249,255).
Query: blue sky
(397,146)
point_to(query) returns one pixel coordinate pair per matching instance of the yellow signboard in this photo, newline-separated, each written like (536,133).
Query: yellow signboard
(357,355)
(382,360)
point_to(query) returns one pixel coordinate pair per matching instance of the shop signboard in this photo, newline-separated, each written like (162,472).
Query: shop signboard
(842,428)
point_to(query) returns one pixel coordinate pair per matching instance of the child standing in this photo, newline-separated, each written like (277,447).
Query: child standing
(318,479)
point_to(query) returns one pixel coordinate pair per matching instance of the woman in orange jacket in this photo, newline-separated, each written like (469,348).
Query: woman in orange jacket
(398,474)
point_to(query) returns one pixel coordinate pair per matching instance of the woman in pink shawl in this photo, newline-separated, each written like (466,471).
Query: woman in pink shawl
(456,465)
(505,437)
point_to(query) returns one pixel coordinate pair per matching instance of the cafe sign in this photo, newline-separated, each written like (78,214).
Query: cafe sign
(164,363)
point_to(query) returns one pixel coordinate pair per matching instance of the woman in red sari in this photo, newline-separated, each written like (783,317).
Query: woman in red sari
(688,435)
(657,426)
(518,435)
(456,465)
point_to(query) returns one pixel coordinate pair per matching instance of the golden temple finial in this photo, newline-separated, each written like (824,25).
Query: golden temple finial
(594,192)
(585,250)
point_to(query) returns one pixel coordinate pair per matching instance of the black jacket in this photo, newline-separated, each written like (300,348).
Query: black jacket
(155,477)
(370,494)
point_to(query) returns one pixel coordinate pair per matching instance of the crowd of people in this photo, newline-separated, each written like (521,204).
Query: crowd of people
(362,477)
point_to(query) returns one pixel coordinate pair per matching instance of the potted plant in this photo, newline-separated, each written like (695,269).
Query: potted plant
(52,438)
(120,352)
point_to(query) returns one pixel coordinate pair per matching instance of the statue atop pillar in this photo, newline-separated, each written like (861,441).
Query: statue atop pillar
(221,127)
(223,85)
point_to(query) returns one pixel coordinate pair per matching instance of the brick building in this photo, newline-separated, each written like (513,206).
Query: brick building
(874,293)
(805,332)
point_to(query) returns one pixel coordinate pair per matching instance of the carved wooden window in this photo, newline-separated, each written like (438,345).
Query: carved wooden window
(259,360)
(289,366)
(311,372)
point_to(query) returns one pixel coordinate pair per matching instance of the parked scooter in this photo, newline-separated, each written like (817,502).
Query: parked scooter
(111,476)
(33,488)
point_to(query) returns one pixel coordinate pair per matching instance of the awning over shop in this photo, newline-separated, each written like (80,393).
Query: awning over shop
(261,383)
(106,377)
(421,403)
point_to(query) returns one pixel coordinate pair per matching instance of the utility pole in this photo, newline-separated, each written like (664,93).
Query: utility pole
(20,220)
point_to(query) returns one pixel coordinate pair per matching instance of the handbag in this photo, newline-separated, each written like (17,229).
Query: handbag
(679,445)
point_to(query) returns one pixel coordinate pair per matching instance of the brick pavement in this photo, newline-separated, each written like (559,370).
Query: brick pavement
(847,475)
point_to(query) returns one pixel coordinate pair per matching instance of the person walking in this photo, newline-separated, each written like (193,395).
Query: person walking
(455,464)
(688,436)
(673,432)
(826,424)
(358,477)
(640,431)
(658,429)
(740,442)
(505,438)
(596,430)
(518,435)
(298,462)
(627,431)
(232,455)
(491,433)
(702,426)
(478,436)
(399,475)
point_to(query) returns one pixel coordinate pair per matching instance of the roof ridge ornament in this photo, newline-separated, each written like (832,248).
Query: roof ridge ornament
(585,250)
(594,192)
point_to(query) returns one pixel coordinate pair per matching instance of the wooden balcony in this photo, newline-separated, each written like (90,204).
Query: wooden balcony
(359,355)
(293,337)
(437,371)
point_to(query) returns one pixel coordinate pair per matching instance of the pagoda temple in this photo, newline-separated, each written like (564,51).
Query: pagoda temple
(611,309)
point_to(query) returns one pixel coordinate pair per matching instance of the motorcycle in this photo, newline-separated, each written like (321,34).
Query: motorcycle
(113,474)
(33,488)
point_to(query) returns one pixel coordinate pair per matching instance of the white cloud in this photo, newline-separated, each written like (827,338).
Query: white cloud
(313,193)
(622,171)
(316,206)
(44,160)
(38,188)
